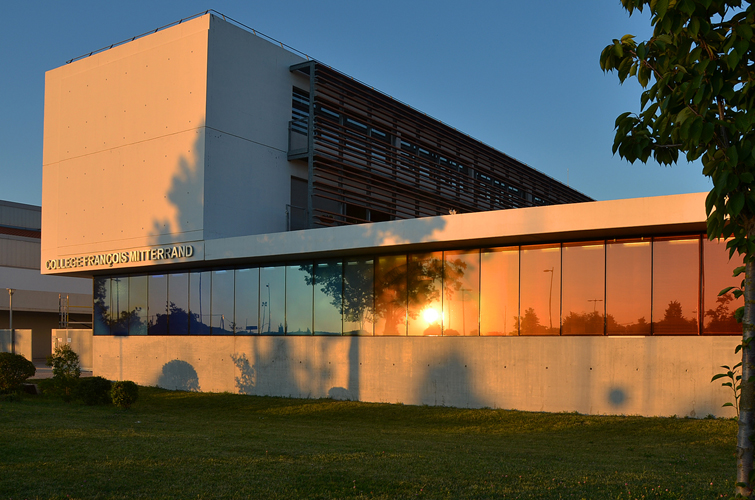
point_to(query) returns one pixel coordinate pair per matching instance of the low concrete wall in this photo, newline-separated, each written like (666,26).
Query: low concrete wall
(23,338)
(80,341)
(594,375)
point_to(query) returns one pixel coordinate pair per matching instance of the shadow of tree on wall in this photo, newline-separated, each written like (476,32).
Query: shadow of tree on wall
(180,376)
(447,382)
(245,383)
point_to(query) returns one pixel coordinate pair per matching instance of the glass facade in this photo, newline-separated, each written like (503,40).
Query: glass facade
(655,286)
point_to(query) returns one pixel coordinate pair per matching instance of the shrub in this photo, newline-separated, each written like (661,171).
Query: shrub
(66,370)
(14,370)
(94,391)
(124,393)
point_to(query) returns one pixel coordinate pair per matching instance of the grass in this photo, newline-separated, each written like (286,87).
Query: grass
(191,445)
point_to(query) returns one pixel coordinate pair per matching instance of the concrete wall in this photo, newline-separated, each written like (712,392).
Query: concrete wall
(79,340)
(595,375)
(249,93)
(23,342)
(123,157)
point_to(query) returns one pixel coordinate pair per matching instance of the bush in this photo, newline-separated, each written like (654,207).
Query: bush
(124,393)
(94,391)
(14,370)
(66,370)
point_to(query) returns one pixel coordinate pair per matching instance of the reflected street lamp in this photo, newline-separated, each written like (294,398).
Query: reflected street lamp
(10,321)
(550,298)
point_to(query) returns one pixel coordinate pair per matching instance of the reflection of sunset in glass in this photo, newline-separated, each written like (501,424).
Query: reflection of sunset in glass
(430,315)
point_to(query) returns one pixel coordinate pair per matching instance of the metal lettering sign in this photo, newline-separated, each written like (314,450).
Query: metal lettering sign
(115,258)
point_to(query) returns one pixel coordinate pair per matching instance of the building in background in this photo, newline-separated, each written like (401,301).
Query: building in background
(218,187)
(40,303)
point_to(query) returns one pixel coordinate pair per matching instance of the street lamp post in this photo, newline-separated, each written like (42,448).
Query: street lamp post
(10,321)
(550,299)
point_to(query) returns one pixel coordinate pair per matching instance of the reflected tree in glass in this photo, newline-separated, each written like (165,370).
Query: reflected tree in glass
(101,296)
(390,295)
(137,303)
(178,307)
(461,285)
(328,287)
(425,284)
(676,275)
(158,304)
(717,275)
(358,296)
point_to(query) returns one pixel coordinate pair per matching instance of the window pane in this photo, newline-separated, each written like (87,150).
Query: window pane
(676,279)
(390,295)
(461,292)
(272,299)
(328,292)
(247,301)
(137,303)
(178,296)
(541,286)
(199,303)
(719,311)
(583,289)
(158,305)
(628,287)
(499,291)
(222,302)
(425,305)
(119,304)
(101,306)
(358,293)
(299,291)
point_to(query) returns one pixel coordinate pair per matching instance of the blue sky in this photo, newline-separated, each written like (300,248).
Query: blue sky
(522,77)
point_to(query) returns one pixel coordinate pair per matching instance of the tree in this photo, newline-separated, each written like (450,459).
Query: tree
(699,99)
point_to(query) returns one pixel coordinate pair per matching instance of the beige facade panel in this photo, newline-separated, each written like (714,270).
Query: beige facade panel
(124,145)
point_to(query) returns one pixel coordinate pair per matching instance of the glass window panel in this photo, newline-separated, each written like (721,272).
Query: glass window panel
(628,287)
(540,289)
(390,295)
(425,299)
(583,289)
(119,305)
(676,282)
(499,291)
(101,306)
(272,299)
(222,302)
(247,301)
(328,293)
(299,289)
(461,293)
(178,297)
(137,304)
(199,303)
(358,296)
(158,305)
(717,275)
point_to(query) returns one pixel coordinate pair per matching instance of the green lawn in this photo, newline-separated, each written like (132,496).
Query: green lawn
(189,445)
